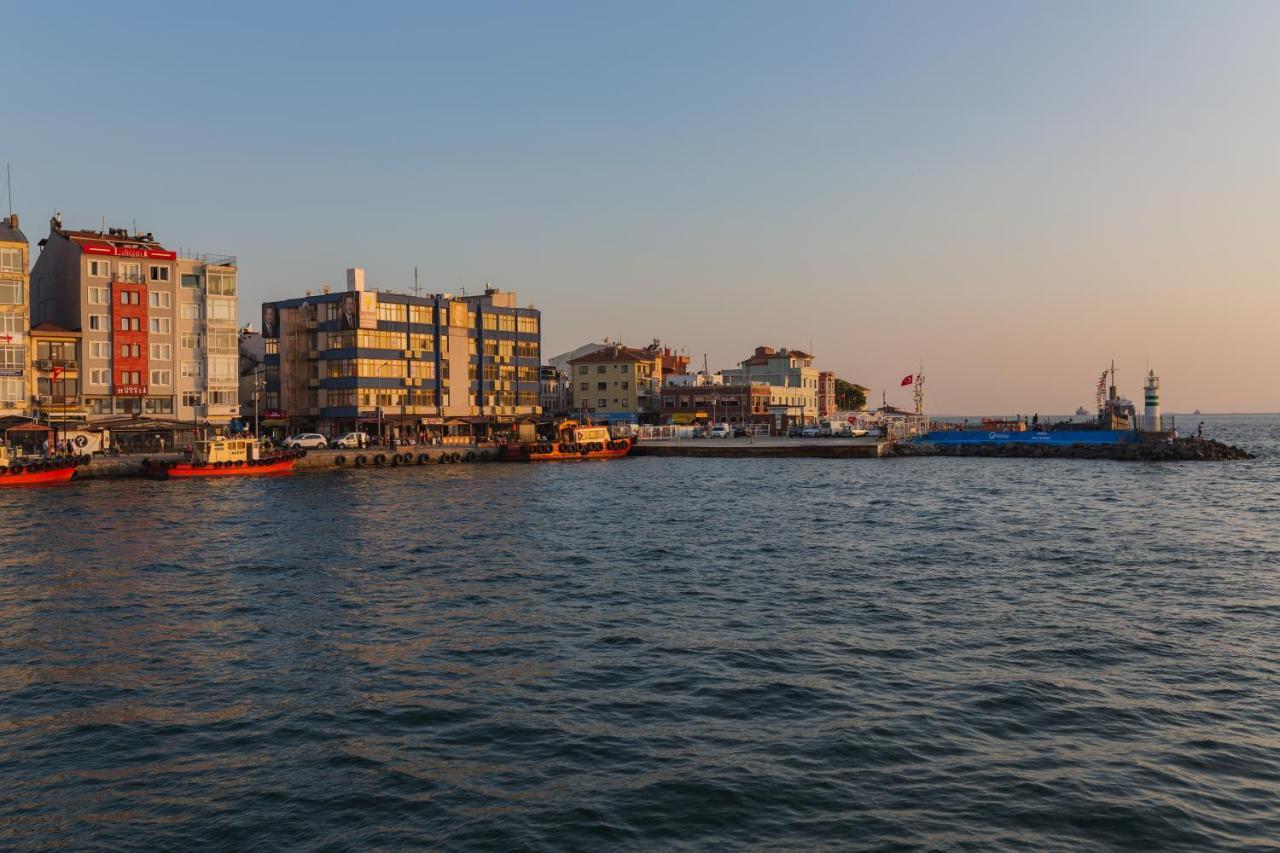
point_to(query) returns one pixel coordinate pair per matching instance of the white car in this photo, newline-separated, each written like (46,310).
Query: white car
(721,431)
(811,432)
(351,440)
(309,440)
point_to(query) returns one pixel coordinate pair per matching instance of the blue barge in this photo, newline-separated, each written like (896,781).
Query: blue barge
(1057,437)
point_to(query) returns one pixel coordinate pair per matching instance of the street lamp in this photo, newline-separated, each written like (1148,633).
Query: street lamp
(259,382)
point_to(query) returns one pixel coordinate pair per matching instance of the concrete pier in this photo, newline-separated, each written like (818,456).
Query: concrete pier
(768,447)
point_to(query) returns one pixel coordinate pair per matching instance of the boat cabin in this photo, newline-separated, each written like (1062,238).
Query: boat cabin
(4,456)
(586,435)
(224,450)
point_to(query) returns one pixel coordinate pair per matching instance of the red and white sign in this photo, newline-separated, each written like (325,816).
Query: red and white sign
(129,390)
(127,251)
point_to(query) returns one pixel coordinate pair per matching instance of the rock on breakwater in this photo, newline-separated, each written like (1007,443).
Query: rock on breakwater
(1178,450)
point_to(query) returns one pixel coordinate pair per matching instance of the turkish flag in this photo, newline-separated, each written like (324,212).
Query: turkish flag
(907,380)
(55,373)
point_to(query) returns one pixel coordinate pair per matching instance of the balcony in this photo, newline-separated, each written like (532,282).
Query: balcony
(129,277)
(61,363)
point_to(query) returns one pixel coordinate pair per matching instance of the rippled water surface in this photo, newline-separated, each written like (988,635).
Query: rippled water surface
(958,654)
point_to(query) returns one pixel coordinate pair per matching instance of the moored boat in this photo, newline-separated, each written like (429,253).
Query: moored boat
(223,457)
(36,472)
(572,441)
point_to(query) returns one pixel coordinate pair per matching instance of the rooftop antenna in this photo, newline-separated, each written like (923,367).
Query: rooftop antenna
(8,176)
(417,288)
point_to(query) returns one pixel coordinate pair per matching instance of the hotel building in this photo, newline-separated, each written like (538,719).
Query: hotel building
(346,360)
(158,333)
(15,318)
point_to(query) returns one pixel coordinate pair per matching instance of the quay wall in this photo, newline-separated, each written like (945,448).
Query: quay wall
(131,466)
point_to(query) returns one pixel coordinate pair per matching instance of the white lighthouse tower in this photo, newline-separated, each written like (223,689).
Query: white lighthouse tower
(1152,394)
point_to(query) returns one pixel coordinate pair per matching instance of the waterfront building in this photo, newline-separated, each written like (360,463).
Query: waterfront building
(252,370)
(15,318)
(374,360)
(158,332)
(617,383)
(687,403)
(826,394)
(55,376)
(792,377)
(687,380)
(553,390)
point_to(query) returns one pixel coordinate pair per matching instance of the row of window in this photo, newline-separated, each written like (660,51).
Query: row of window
(602,386)
(156,299)
(381,368)
(392,397)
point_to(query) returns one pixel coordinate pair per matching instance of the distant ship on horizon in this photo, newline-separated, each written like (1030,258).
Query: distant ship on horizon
(1082,412)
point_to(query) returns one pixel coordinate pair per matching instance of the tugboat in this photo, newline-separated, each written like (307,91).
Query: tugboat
(223,457)
(573,441)
(17,472)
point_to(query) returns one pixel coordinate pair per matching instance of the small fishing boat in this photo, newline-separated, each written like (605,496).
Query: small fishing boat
(20,472)
(223,457)
(573,441)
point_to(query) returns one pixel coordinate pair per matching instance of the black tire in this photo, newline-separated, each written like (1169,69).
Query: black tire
(470,457)
(423,459)
(444,459)
(339,460)
(455,457)
(379,459)
(301,452)
(395,459)
(361,461)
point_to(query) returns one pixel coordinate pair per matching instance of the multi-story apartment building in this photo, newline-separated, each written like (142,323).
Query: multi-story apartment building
(345,360)
(617,383)
(55,375)
(15,318)
(792,375)
(709,402)
(554,391)
(159,332)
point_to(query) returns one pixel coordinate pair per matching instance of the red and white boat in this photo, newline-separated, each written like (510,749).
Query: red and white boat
(223,457)
(37,472)
(573,442)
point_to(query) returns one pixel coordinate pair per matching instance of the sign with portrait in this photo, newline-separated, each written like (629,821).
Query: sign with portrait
(270,321)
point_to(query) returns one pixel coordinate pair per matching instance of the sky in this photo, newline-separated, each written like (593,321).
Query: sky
(1010,194)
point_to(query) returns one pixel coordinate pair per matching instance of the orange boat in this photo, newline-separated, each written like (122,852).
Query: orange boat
(573,442)
(15,472)
(223,457)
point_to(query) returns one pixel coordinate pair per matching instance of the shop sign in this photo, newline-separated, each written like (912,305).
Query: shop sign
(129,390)
(127,252)
(10,371)
(275,414)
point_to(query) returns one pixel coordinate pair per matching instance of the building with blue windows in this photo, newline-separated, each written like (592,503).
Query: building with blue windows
(400,364)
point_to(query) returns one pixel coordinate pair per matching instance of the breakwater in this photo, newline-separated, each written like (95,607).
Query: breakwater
(1178,450)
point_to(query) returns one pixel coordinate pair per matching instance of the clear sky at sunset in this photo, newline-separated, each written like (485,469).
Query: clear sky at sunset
(1013,193)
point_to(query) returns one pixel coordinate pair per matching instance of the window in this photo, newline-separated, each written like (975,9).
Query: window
(191,398)
(586,386)
(124,324)
(100,269)
(424,314)
(221,309)
(98,376)
(189,280)
(124,350)
(223,368)
(12,358)
(130,272)
(528,325)
(223,342)
(161,352)
(162,377)
(222,283)
(99,349)
(159,273)
(98,296)
(160,298)
(602,386)
(602,403)
(506,323)
(98,322)
(158,405)
(391,311)
(11,293)
(11,260)
(130,297)
(160,325)
(224,398)
(192,368)
(584,369)
(190,310)
(191,340)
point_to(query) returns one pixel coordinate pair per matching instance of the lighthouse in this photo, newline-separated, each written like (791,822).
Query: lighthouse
(1152,393)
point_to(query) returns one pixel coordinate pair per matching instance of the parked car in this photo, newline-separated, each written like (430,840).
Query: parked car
(351,440)
(811,432)
(699,432)
(309,440)
(741,432)
(720,431)
(795,432)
